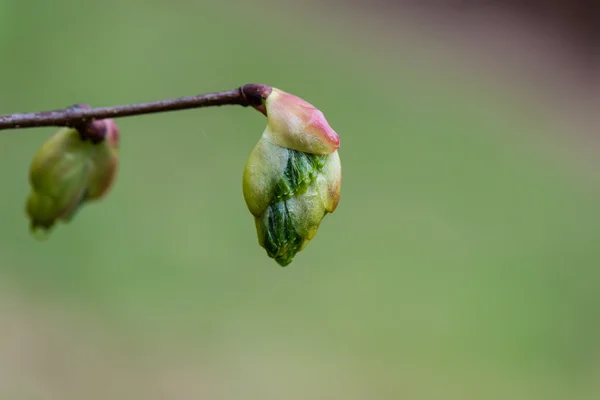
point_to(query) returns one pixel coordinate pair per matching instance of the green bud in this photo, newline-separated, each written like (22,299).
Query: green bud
(293,176)
(67,172)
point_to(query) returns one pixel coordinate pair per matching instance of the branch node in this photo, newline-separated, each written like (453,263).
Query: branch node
(255,94)
(89,129)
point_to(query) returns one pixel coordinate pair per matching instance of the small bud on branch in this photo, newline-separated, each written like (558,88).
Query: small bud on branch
(69,171)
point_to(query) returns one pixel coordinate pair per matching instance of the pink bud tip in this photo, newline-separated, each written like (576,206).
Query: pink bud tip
(296,124)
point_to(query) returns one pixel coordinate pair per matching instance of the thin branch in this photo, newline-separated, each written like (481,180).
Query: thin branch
(247,95)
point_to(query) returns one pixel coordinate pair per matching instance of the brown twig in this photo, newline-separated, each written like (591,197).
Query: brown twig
(74,116)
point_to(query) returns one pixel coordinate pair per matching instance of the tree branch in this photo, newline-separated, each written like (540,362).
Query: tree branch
(75,116)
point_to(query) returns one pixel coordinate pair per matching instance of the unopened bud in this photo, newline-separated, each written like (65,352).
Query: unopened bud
(293,176)
(70,170)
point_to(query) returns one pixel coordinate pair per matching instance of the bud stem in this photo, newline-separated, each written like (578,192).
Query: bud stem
(247,95)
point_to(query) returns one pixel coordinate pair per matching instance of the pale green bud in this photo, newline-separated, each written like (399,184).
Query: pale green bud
(289,191)
(69,171)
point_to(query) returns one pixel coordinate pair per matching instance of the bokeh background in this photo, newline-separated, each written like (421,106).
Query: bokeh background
(462,263)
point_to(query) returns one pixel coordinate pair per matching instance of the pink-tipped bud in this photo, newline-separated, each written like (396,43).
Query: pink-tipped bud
(293,176)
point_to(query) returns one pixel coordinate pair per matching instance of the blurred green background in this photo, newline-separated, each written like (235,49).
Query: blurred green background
(462,261)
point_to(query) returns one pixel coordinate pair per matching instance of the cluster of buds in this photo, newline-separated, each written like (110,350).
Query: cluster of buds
(291,180)
(72,168)
(293,176)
